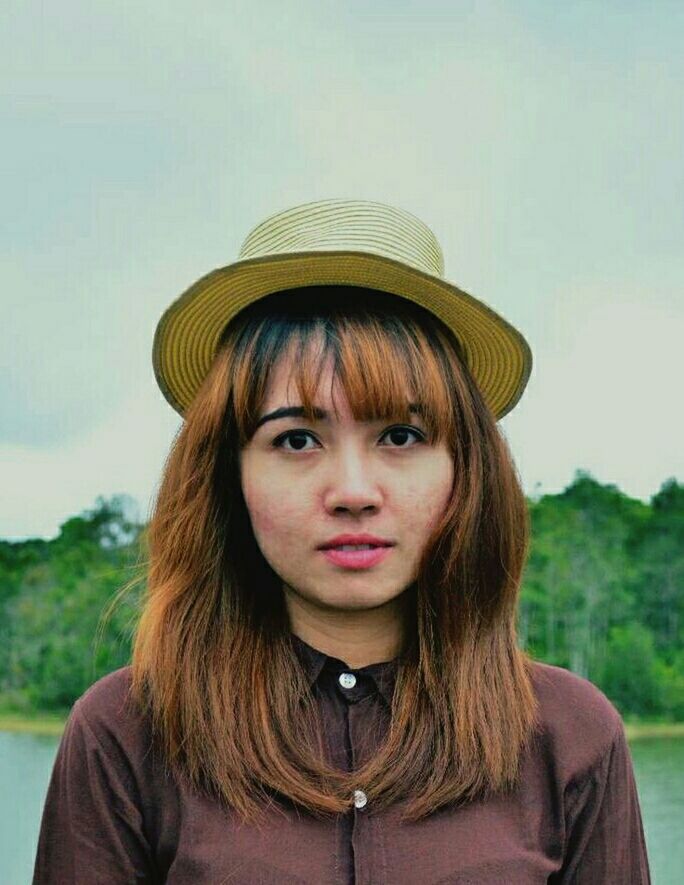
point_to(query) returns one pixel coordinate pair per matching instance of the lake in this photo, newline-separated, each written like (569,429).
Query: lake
(26,762)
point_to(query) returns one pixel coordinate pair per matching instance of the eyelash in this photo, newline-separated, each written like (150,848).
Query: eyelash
(277,442)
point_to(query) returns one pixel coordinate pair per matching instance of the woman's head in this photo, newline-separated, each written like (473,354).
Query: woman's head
(364,465)
(233,540)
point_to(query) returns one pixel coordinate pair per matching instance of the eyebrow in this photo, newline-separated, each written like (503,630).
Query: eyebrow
(319,414)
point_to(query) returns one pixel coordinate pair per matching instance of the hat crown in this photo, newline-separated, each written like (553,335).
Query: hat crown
(347,225)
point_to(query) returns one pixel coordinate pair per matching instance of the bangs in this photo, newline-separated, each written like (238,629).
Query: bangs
(387,354)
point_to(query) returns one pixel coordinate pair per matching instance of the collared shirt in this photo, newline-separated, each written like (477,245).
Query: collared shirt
(112,815)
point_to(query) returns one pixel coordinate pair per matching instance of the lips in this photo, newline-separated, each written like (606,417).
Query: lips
(348,539)
(357,559)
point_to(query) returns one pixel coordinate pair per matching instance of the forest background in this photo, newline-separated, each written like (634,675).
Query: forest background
(602,595)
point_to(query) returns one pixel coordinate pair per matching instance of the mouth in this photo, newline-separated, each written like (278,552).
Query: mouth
(356,556)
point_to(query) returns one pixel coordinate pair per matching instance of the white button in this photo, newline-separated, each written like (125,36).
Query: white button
(360,798)
(347,680)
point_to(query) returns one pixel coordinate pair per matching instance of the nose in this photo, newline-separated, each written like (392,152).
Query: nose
(352,484)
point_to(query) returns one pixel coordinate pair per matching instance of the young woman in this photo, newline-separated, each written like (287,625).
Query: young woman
(326,685)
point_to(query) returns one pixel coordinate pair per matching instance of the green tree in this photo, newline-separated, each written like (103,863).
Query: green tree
(630,675)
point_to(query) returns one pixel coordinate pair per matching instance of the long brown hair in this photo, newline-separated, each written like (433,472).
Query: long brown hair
(213,640)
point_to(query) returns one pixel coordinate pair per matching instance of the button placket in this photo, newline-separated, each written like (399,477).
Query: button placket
(348,681)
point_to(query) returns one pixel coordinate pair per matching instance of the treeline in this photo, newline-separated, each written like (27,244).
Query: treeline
(602,595)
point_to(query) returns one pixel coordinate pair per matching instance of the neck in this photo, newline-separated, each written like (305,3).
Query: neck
(357,637)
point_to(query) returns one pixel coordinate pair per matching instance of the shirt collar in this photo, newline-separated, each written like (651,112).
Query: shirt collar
(313,660)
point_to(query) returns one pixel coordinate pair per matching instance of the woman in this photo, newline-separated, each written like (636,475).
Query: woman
(325,684)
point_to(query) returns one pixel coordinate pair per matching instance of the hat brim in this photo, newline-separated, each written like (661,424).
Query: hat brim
(186,337)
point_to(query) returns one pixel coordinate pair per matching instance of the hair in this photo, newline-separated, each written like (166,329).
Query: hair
(213,638)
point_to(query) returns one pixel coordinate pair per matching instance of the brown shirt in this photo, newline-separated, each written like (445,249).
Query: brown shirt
(112,815)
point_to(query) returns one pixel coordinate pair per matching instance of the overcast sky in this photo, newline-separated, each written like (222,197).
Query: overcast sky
(543,143)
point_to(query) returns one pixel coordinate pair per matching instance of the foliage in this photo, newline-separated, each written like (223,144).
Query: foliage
(603,592)
(53,603)
(602,595)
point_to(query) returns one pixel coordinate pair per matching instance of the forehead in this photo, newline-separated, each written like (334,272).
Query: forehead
(282,384)
(327,391)
(329,394)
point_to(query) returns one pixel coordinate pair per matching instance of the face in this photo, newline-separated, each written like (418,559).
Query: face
(307,482)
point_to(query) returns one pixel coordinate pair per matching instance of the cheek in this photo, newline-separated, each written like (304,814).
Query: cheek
(262,519)
(256,500)
(274,520)
(423,500)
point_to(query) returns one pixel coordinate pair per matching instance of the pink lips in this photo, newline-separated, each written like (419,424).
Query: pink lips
(356,559)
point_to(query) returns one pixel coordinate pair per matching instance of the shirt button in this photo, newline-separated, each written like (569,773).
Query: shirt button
(360,798)
(347,680)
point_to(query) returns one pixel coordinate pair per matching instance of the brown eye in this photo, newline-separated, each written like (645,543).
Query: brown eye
(297,435)
(297,438)
(400,435)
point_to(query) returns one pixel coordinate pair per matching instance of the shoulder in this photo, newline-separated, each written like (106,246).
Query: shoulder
(106,710)
(106,780)
(579,724)
(108,697)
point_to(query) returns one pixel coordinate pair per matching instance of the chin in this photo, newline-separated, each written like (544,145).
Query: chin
(359,599)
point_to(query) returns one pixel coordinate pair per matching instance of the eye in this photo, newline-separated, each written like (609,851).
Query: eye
(402,430)
(299,435)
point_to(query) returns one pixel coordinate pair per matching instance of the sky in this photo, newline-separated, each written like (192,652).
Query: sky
(542,143)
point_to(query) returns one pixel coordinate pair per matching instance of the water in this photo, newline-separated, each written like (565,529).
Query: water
(659,772)
(26,762)
(25,766)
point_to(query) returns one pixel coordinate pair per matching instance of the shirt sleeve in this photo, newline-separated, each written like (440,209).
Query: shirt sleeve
(605,841)
(92,827)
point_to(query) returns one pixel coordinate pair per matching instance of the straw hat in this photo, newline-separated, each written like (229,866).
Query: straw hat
(337,242)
